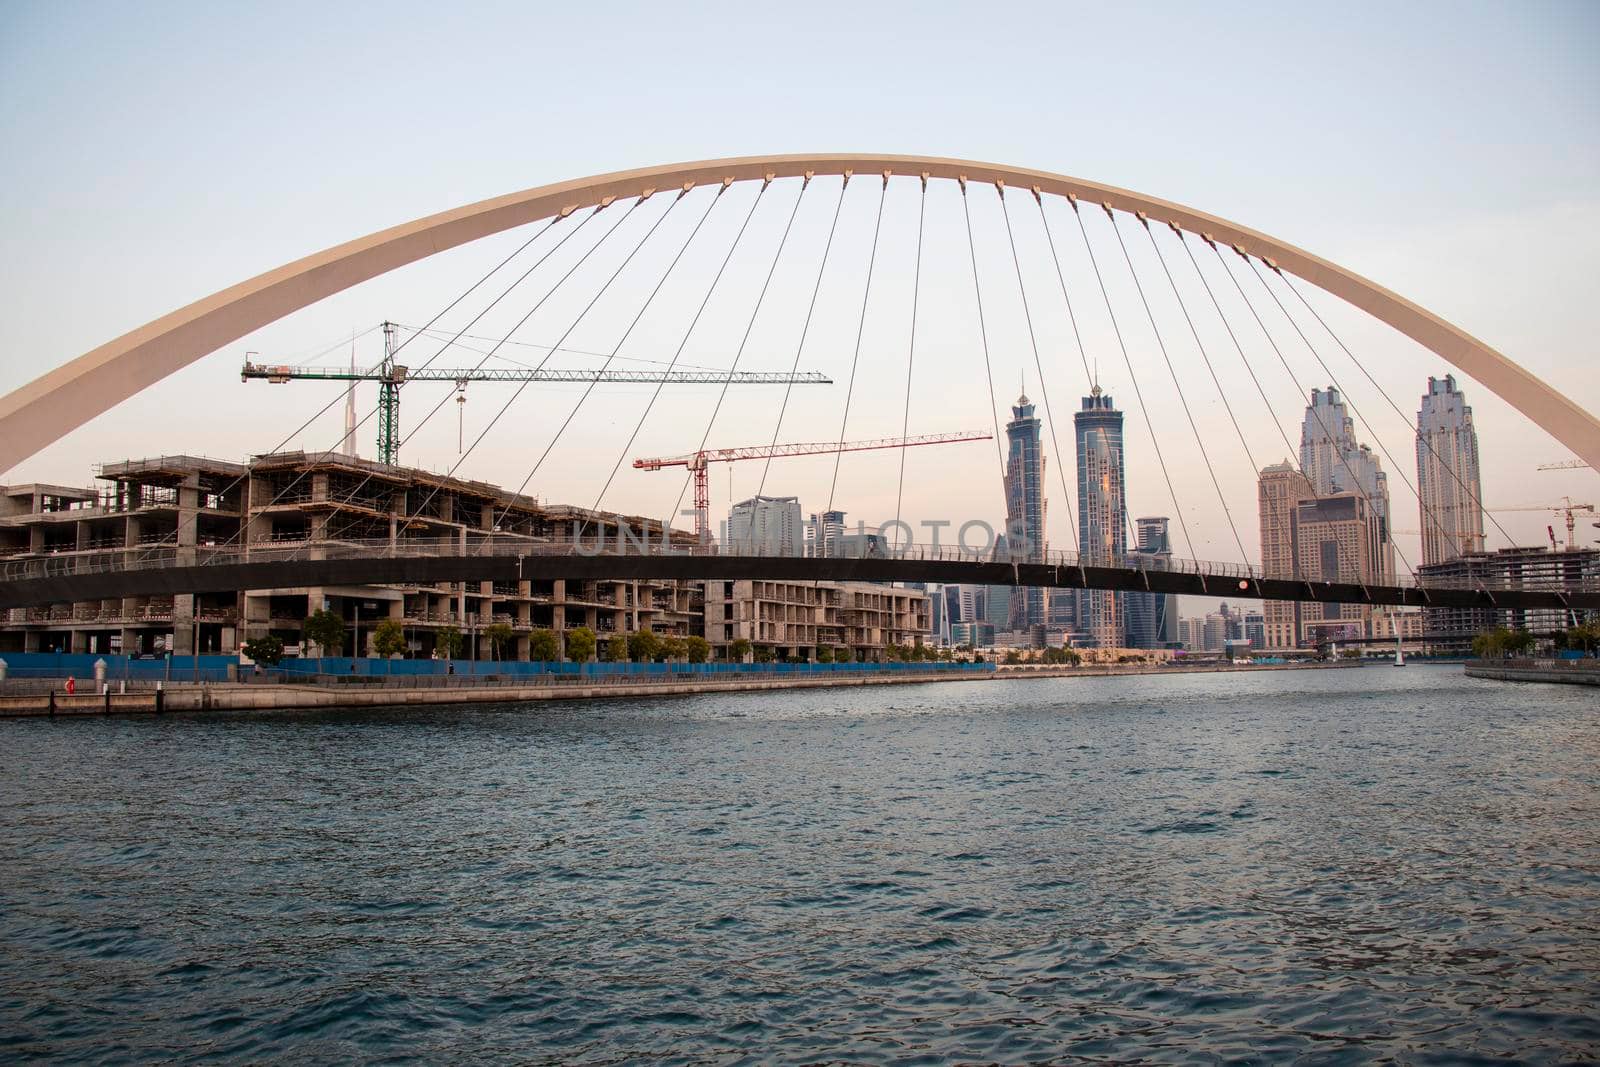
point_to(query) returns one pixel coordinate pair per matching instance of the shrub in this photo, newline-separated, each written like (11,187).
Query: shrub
(543,645)
(581,644)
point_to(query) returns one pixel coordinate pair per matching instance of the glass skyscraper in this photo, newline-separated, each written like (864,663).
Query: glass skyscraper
(1451,496)
(1102,513)
(1025,508)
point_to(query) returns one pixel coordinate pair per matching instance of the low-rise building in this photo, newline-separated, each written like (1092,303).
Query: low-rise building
(794,619)
(176,509)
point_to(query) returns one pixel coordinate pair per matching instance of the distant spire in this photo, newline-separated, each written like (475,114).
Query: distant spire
(348,445)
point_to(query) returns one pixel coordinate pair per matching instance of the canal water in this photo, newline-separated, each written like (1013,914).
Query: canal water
(1345,865)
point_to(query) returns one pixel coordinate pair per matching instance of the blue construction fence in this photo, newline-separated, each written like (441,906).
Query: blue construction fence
(182,668)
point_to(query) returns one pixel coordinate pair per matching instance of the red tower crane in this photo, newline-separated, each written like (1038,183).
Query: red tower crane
(698,462)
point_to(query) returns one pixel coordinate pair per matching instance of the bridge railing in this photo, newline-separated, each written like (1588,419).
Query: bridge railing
(116,560)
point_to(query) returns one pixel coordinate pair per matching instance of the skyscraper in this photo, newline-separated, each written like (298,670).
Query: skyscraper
(765,525)
(1279,490)
(1448,488)
(1335,462)
(1025,507)
(823,532)
(1151,618)
(1102,512)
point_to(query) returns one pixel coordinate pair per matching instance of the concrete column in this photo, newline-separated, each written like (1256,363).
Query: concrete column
(79,641)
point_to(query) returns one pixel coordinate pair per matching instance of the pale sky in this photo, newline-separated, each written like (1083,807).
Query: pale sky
(1451,152)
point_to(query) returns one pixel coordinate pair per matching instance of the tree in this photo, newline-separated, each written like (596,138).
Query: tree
(674,648)
(325,630)
(824,655)
(644,646)
(1584,637)
(389,638)
(1491,644)
(1519,642)
(738,649)
(616,648)
(1013,657)
(500,635)
(581,644)
(266,649)
(844,655)
(543,646)
(698,649)
(447,642)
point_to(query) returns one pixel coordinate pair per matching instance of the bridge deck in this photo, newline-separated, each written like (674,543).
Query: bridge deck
(203,570)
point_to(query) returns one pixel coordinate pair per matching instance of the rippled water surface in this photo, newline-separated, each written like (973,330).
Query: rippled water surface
(1344,865)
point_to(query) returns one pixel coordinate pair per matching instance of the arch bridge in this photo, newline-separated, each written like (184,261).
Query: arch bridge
(44,410)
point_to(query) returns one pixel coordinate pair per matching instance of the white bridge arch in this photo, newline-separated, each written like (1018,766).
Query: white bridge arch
(59,401)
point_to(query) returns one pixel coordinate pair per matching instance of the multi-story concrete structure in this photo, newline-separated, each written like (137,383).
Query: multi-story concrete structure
(1102,512)
(1335,462)
(792,620)
(766,525)
(1025,508)
(177,507)
(1449,491)
(1279,491)
(1507,568)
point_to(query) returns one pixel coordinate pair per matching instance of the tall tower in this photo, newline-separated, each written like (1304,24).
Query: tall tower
(1025,507)
(1279,490)
(1449,491)
(765,526)
(347,446)
(1335,463)
(1151,618)
(1102,512)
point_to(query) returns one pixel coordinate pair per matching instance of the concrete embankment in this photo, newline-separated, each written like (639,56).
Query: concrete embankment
(302,697)
(1561,672)
(1116,670)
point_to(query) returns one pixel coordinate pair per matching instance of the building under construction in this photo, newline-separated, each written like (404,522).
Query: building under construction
(178,508)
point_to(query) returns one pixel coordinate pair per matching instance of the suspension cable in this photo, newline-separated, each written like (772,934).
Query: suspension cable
(1294,563)
(861,325)
(1403,416)
(805,331)
(715,200)
(805,183)
(983,334)
(710,290)
(1295,379)
(1178,388)
(1300,390)
(338,398)
(1400,471)
(1116,327)
(1038,363)
(1083,354)
(593,300)
(490,353)
(1205,358)
(911,356)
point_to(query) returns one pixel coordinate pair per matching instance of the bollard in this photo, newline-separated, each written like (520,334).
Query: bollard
(52,703)
(107,695)
(160,698)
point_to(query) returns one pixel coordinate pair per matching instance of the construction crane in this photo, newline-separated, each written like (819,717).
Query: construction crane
(1566,507)
(1565,465)
(698,462)
(390,376)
